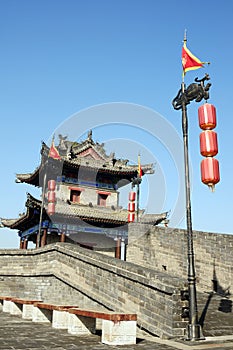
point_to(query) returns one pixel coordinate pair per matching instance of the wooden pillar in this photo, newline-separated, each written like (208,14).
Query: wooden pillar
(63,237)
(37,241)
(118,248)
(25,243)
(44,238)
(21,244)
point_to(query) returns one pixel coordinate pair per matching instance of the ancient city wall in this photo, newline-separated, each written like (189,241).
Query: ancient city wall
(69,274)
(165,249)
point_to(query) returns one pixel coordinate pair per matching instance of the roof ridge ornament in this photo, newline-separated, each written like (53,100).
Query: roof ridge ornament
(89,136)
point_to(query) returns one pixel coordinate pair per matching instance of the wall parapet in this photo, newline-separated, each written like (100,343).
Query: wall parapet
(70,273)
(165,248)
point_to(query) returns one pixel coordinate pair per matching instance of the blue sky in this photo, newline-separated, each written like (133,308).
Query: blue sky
(60,57)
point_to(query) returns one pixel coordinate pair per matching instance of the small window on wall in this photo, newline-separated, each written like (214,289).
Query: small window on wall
(102,199)
(75,196)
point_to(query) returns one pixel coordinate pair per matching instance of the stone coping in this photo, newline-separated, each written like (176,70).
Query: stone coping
(106,315)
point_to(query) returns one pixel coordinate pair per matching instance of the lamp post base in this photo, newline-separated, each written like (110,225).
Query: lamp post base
(194,332)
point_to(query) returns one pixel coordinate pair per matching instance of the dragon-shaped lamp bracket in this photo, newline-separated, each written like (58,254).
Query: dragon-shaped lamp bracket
(195,91)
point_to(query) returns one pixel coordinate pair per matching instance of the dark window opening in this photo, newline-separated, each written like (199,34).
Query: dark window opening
(102,199)
(75,196)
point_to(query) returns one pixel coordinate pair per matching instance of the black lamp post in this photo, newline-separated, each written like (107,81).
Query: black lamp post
(51,168)
(195,91)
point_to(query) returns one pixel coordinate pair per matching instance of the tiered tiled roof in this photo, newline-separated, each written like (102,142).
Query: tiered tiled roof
(101,214)
(117,216)
(33,206)
(90,156)
(87,154)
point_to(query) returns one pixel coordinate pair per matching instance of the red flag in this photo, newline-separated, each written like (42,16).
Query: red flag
(189,61)
(139,167)
(53,152)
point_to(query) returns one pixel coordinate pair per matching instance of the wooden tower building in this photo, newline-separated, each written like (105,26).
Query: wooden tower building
(80,198)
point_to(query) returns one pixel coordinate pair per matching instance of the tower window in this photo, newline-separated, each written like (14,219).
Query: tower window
(75,196)
(102,199)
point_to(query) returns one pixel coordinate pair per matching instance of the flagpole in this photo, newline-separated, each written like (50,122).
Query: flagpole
(185,36)
(139,180)
(42,199)
(194,329)
(53,153)
(138,193)
(183,73)
(42,207)
(136,181)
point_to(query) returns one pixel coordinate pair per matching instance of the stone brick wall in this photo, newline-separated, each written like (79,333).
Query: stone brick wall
(70,274)
(165,249)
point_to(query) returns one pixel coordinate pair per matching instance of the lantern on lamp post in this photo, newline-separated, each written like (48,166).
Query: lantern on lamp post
(195,91)
(208,145)
(131,206)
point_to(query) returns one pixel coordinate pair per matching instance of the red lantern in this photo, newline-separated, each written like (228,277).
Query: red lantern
(210,171)
(207,116)
(51,208)
(51,196)
(51,185)
(131,206)
(131,217)
(132,196)
(208,143)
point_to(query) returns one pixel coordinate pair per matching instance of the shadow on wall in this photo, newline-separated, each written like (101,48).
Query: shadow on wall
(217,288)
(225,305)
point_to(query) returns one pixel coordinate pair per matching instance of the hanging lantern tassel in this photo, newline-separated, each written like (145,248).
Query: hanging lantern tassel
(210,175)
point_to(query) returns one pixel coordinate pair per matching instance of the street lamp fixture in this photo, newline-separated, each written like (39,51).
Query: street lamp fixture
(196,91)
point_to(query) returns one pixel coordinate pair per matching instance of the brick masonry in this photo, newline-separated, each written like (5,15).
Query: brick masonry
(65,273)
(165,249)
